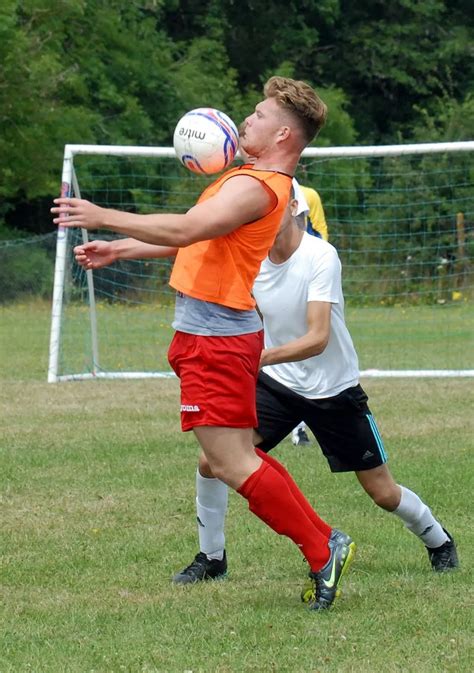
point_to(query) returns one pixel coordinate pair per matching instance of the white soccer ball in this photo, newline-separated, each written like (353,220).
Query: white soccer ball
(205,140)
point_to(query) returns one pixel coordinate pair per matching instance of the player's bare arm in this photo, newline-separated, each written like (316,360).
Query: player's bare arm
(97,254)
(312,343)
(241,200)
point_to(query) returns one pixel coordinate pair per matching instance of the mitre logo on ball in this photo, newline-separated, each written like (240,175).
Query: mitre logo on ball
(205,140)
(191,133)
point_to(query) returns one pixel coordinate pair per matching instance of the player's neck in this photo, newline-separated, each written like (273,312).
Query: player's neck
(287,241)
(283,162)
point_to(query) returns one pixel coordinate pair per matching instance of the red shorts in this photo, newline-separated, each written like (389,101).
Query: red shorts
(218,378)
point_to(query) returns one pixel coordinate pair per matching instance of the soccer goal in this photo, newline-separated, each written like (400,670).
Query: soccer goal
(401,218)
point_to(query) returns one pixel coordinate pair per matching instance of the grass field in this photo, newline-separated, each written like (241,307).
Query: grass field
(135,338)
(96,488)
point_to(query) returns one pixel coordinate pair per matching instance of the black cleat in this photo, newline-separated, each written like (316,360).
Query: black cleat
(300,438)
(327,580)
(337,537)
(202,569)
(444,558)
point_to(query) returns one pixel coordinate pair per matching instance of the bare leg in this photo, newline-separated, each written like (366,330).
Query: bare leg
(406,504)
(232,458)
(204,467)
(380,485)
(211,504)
(229,452)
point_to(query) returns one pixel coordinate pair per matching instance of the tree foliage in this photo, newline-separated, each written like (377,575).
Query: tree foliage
(116,71)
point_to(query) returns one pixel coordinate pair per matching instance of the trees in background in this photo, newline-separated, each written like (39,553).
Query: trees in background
(111,71)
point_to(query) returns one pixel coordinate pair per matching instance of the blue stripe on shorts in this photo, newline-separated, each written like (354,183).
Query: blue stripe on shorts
(378,438)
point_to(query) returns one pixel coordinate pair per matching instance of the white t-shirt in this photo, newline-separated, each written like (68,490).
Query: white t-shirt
(300,197)
(282,291)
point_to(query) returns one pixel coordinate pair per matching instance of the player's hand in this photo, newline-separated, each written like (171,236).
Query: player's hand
(72,212)
(95,254)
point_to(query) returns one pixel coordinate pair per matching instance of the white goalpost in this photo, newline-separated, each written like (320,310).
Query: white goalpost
(400,216)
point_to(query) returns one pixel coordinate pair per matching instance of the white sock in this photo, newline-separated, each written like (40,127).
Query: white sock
(417,517)
(211,508)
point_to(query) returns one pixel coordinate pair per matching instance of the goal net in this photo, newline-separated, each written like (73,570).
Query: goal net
(401,218)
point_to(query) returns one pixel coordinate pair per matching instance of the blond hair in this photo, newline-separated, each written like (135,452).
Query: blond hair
(301,101)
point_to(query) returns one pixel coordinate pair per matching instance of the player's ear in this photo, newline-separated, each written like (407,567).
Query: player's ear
(293,207)
(283,133)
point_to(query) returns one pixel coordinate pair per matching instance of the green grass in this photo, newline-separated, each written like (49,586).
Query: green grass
(414,337)
(135,338)
(97,498)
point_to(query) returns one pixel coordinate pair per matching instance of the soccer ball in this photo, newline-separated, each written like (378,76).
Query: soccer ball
(205,140)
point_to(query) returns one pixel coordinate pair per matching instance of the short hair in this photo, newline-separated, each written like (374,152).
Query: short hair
(301,101)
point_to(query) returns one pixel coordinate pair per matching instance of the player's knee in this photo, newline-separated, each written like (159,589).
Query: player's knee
(379,484)
(219,471)
(204,467)
(387,499)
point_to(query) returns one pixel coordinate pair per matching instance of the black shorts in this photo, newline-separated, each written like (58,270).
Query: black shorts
(343,425)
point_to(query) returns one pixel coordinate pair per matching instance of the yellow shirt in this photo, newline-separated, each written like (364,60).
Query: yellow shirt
(316,217)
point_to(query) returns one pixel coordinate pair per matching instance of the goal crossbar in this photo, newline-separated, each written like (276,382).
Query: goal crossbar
(70,185)
(310,152)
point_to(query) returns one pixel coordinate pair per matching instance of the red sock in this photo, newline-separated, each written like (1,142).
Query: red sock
(271,499)
(321,525)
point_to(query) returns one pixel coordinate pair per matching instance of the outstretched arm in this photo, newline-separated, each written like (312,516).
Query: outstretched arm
(240,200)
(315,340)
(97,254)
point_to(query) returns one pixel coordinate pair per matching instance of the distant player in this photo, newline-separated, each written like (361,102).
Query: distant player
(315,219)
(310,371)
